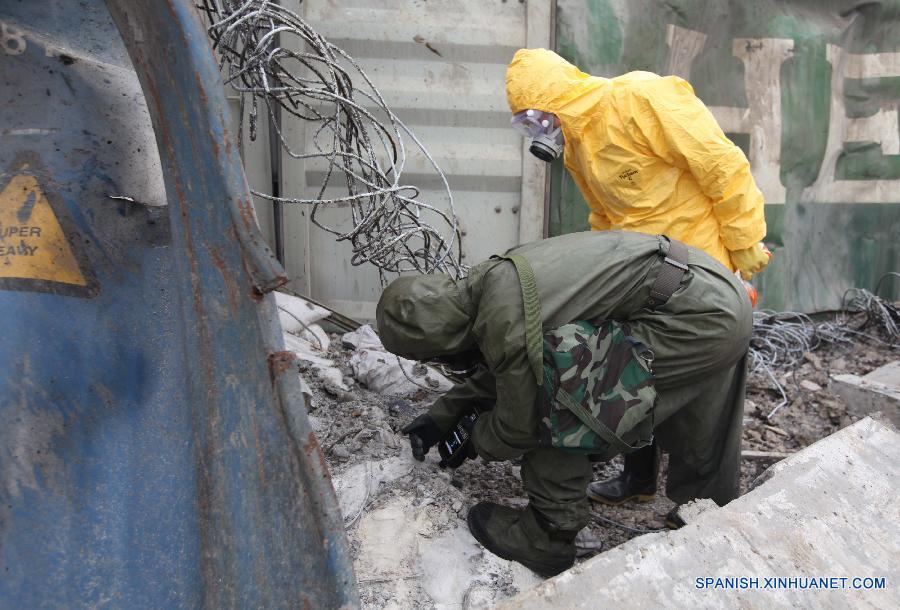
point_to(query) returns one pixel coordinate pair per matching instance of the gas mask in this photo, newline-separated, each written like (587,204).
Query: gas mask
(544,130)
(458,366)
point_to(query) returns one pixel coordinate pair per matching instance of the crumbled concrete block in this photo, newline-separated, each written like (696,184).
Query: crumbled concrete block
(889,375)
(876,391)
(828,512)
(692,510)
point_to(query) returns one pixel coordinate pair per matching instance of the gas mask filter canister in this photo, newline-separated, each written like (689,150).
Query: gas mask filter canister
(544,130)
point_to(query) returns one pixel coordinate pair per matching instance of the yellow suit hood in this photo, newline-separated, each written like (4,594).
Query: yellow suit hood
(646,153)
(542,80)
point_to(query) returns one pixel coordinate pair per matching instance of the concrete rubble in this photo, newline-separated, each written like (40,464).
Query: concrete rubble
(828,511)
(878,391)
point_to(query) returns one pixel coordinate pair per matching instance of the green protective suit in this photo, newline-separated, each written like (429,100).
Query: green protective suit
(699,337)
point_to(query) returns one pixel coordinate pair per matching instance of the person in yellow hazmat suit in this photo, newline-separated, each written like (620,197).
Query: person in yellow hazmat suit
(648,157)
(646,153)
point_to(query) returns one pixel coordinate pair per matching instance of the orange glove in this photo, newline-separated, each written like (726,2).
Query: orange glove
(751,260)
(751,292)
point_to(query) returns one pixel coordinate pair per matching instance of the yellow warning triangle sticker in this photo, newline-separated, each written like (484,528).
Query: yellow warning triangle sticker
(33,245)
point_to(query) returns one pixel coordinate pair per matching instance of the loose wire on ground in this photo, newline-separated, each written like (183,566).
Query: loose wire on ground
(636,530)
(781,340)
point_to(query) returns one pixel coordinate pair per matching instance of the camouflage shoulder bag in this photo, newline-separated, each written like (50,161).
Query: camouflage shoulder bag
(598,394)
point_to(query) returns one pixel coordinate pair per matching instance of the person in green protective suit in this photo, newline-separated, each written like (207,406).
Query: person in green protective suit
(699,336)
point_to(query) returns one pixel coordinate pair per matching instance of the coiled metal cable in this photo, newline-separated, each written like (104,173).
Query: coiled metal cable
(273,58)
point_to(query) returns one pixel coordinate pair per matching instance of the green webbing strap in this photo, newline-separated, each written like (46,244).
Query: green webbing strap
(593,423)
(534,340)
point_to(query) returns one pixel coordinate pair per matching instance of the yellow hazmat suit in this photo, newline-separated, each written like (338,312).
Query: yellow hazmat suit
(647,155)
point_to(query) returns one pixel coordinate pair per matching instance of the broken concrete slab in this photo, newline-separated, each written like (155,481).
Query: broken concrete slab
(828,512)
(889,374)
(876,391)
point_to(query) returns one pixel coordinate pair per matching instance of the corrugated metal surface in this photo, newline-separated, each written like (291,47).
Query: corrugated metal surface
(808,89)
(453,98)
(154,445)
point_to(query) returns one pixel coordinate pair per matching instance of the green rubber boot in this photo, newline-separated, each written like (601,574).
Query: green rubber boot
(524,536)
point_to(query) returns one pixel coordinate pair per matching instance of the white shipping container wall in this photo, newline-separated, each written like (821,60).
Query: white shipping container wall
(451,93)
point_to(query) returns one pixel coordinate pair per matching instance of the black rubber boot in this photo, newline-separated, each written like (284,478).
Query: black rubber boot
(524,536)
(636,482)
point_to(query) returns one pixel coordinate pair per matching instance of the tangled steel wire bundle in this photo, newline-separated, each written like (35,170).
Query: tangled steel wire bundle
(781,340)
(279,64)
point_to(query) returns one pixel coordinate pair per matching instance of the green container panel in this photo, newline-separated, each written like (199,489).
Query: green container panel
(831,167)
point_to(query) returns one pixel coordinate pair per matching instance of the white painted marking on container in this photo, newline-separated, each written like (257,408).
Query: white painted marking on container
(684,46)
(762,59)
(882,127)
(867,65)
(33,131)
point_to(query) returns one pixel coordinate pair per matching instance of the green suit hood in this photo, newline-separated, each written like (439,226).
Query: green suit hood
(425,317)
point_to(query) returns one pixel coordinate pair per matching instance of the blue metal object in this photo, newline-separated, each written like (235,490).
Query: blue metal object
(154,447)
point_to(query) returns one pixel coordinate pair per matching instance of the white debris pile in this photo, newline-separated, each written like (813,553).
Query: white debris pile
(299,317)
(307,339)
(382,372)
(411,545)
(371,364)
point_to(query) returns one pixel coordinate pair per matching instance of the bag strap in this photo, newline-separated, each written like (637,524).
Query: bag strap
(533,326)
(675,264)
(593,423)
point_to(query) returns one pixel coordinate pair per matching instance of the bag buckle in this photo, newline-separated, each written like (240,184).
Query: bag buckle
(647,356)
(675,263)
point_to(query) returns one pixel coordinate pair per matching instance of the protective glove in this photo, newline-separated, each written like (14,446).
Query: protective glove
(423,435)
(751,260)
(752,292)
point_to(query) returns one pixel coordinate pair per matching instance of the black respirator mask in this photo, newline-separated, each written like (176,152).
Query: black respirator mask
(544,130)
(458,365)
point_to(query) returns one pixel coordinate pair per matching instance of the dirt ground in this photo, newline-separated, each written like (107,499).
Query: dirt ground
(359,426)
